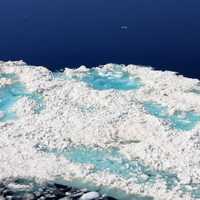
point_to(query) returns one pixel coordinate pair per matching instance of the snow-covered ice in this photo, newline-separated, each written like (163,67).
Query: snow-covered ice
(127,127)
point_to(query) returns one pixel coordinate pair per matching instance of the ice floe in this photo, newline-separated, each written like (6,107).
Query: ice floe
(128,128)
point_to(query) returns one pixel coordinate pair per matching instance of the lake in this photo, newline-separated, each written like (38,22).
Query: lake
(69,33)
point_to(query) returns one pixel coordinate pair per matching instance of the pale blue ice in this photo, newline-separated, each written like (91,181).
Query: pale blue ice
(184,121)
(114,162)
(10,94)
(115,79)
(111,80)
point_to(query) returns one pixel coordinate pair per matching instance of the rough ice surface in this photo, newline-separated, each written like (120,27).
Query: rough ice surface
(106,80)
(123,128)
(11,93)
(111,80)
(112,161)
(179,120)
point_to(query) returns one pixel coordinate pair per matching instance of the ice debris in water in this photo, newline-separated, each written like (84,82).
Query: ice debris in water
(90,196)
(179,120)
(28,189)
(11,93)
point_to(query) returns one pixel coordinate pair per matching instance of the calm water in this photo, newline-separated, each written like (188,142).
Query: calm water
(92,32)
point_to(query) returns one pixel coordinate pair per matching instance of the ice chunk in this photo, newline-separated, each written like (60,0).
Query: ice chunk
(90,196)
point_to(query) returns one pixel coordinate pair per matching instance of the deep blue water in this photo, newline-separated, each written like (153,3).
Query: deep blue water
(74,32)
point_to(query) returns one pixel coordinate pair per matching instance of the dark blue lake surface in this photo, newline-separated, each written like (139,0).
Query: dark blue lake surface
(68,33)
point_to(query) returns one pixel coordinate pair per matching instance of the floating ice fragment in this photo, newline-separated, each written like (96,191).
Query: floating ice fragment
(124,27)
(90,196)
(23,188)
